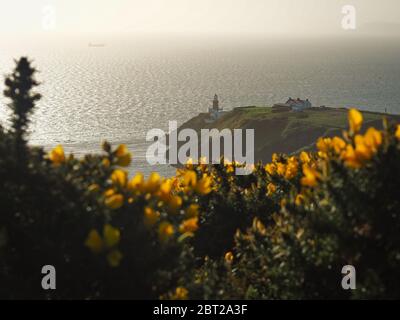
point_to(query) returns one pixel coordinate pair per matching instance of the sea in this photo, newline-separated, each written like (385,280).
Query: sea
(118,87)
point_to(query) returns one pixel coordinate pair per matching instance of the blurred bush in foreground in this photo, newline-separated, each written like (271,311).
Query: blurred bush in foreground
(283,232)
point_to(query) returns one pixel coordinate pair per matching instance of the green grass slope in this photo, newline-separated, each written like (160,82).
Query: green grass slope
(286,132)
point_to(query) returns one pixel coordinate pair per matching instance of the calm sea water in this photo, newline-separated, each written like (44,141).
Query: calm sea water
(132,84)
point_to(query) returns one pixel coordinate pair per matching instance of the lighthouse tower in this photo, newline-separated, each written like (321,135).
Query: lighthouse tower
(215,112)
(216,103)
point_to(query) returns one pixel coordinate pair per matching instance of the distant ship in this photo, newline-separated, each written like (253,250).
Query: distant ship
(96,45)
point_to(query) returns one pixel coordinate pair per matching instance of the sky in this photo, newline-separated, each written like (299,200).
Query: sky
(281,17)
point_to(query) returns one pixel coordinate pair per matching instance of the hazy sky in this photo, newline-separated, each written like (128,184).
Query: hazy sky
(208,16)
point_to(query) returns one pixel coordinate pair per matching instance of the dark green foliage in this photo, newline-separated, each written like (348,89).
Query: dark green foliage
(268,235)
(46,213)
(351,218)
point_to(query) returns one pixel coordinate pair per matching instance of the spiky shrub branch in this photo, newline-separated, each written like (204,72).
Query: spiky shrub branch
(19,89)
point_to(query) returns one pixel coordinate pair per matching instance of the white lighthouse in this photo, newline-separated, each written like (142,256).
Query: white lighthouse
(215,112)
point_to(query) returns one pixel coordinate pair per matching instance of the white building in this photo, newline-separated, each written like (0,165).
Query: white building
(298,104)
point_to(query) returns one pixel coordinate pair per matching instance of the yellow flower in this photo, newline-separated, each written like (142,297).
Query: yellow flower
(323,144)
(189,225)
(259,226)
(105,163)
(111,236)
(203,186)
(94,187)
(271,188)
(229,166)
(299,200)
(291,168)
(398,132)
(153,183)
(338,144)
(124,157)
(121,150)
(270,168)
(57,155)
(373,139)
(165,190)
(363,151)
(114,258)
(125,160)
(350,158)
(355,120)
(174,203)
(281,168)
(181,293)
(229,257)
(94,242)
(304,157)
(119,177)
(192,211)
(136,183)
(109,193)
(311,176)
(365,148)
(322,155)
(114,201)
(150,217)
(165,231)
(275,157)
(189,178)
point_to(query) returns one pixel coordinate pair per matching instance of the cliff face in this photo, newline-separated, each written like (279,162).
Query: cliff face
(284,132)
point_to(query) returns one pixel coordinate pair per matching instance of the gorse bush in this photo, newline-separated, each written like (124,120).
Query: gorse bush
(283,232)
(339,206)
(106,236)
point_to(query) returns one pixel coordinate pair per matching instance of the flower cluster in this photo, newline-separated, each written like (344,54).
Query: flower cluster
(355,149)
(109,241)
(336,206)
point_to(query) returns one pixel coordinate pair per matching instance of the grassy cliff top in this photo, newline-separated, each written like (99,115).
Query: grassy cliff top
(327,117)
(285,132)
